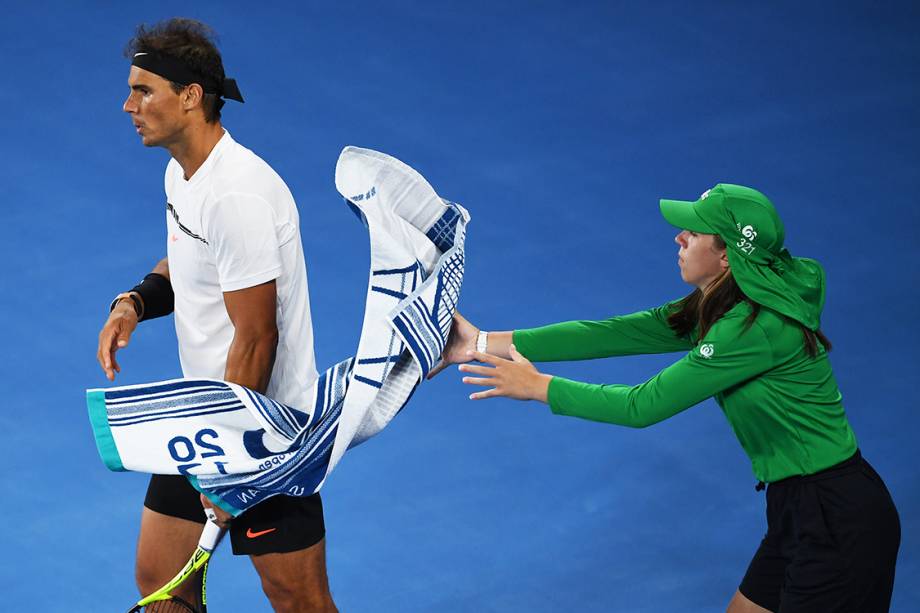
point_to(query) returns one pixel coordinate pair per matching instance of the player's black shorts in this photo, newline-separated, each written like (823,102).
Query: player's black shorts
(278,525)
(831,544)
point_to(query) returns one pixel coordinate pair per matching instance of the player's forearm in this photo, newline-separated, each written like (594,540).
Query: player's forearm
(162,268)
(251,359)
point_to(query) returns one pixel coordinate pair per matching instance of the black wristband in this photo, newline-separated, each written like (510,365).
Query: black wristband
(157,293)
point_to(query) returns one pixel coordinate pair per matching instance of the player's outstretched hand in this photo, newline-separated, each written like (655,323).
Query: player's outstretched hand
(115,334)
(460,341)
(515,378)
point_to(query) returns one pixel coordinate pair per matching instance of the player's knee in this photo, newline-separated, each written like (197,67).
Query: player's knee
(147,577)
(287,598)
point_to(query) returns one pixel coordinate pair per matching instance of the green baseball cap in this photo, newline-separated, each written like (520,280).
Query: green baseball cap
(754,234)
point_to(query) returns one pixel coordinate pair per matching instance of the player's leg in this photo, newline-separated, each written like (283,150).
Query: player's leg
(296,582)
(171,524)
(285,538)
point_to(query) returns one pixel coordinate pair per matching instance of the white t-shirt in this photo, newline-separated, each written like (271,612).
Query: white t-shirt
(234,225)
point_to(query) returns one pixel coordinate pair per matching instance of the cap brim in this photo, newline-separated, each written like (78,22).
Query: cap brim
(681,214)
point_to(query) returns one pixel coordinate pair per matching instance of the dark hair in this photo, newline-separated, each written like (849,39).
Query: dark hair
(700,310)
(190,41)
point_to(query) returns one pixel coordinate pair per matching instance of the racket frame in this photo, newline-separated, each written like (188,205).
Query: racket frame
(210,536)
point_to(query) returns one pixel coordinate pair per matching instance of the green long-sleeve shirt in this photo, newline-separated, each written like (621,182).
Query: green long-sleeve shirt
(783,404)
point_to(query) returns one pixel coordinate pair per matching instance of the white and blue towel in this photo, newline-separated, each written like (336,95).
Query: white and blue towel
(239,447)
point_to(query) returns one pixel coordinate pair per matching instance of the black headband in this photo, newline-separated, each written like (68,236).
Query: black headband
(177,71)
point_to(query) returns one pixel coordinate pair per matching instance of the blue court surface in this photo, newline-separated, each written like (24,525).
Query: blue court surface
(558,125)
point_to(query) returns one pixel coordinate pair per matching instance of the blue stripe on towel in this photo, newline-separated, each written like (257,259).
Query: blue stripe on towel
(413,344)
(301,417)
(143,396)
(284,413)
(383,360)
(397,271)
(181,412)
(370,382)
(388,292)
(154,389)
(335,389)
(271,415)
(236,407)
(320,402)
(418,336)
(430,321)
(208,398)
(428,334)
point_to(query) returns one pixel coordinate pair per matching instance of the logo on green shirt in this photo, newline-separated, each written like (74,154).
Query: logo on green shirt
(707,350)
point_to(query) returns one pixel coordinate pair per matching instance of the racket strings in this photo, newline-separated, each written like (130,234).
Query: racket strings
(173,605)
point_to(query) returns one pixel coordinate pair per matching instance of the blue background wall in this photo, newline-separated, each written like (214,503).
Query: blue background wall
(558,125)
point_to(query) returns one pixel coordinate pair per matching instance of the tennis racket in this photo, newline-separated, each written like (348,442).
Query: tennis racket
(161,601)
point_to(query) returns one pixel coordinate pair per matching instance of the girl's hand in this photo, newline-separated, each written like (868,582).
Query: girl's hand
(515,378)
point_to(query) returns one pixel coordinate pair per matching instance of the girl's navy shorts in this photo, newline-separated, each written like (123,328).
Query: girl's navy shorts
(831,544)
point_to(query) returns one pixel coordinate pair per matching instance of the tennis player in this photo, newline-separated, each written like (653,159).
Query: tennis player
(236,279)
(751,330)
